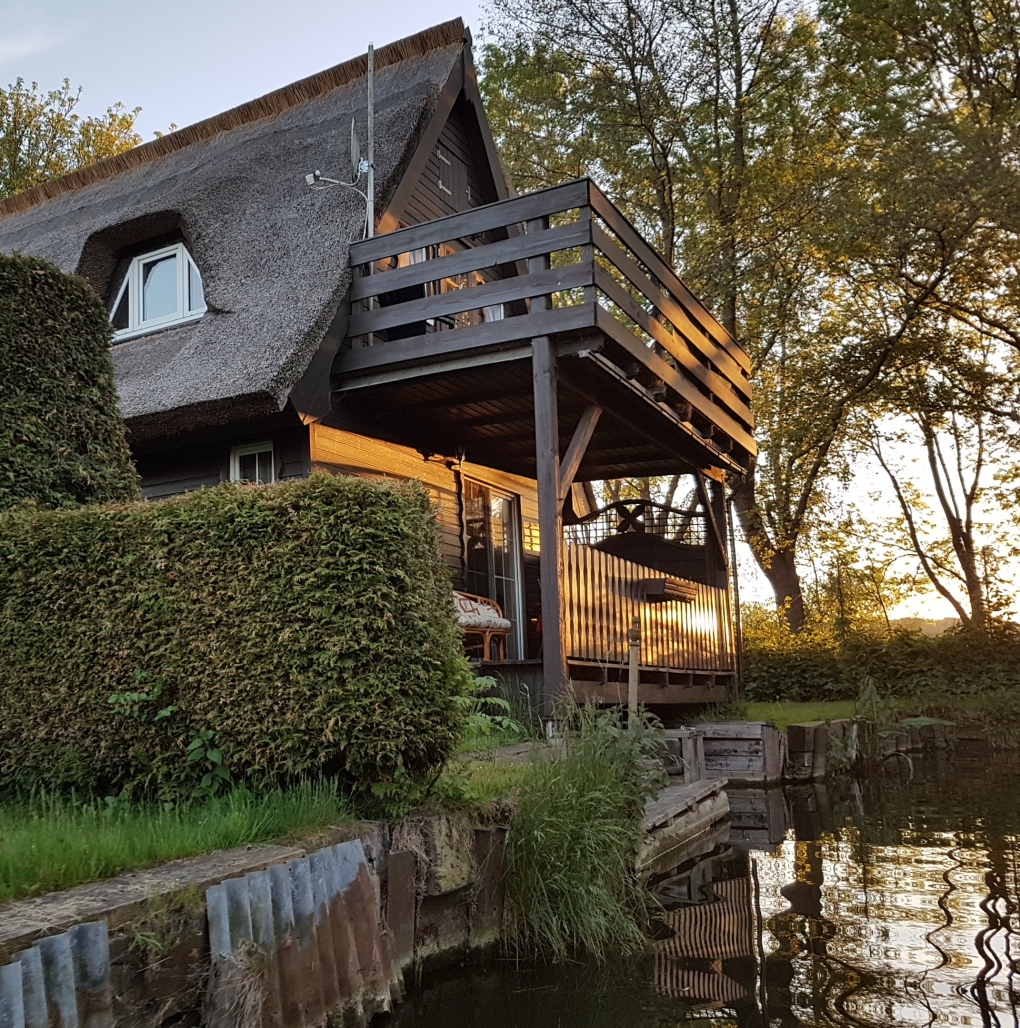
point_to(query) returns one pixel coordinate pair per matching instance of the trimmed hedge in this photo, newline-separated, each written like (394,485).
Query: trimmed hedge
(308,625)
(62,439)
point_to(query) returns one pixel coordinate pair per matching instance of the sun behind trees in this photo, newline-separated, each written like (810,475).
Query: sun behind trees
(42,138)
(840,183)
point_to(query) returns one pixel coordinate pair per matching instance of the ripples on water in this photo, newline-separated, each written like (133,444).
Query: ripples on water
(887,902)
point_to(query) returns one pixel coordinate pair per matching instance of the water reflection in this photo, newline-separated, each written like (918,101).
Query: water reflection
(889,902)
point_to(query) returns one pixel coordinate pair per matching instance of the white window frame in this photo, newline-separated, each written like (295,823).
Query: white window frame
(133,285)
(237,452)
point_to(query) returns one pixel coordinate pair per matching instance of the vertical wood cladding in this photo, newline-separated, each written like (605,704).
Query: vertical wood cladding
(457,176)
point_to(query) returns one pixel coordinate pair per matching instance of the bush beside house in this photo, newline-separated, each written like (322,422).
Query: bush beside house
(298,629)
(62,439)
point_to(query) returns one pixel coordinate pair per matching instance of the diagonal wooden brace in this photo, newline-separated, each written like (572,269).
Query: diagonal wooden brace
(575,451)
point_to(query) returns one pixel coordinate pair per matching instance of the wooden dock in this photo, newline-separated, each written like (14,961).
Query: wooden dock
(744,752)
(677,817)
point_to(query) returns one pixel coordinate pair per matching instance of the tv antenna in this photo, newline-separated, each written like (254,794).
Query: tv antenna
(360,166)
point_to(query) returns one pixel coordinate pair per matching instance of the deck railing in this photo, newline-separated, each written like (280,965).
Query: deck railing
(640,517)
(562,262)
(603,594)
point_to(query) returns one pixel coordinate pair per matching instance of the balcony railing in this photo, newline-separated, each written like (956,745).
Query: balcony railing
(563,262)
(685,626)
(640,517)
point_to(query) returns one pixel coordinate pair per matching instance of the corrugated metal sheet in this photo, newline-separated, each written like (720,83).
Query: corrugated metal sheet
(62,981)
(300,942)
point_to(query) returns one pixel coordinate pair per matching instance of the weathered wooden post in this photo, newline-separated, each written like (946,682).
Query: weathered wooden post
(633,669)
(550,508)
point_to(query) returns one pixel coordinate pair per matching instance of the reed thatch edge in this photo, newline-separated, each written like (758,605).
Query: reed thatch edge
(269,106)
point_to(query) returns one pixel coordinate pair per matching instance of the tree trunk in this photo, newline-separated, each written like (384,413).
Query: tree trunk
(778,564)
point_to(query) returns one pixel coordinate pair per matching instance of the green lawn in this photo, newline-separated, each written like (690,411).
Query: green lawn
(48,843)
(786,714)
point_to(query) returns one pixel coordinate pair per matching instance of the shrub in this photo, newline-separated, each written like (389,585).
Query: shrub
(293,630)
(62,440)
(821,664)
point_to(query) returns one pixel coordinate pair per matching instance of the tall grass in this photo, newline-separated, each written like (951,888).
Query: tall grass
(573,840)
(49,843)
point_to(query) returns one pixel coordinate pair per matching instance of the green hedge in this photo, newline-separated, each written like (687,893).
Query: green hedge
(62,440)
(821,664)
(308,625)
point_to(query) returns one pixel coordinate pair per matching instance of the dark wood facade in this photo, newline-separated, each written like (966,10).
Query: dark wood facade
(506,351)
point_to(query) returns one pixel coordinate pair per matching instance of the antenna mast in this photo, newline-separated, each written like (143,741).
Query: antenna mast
(371,141)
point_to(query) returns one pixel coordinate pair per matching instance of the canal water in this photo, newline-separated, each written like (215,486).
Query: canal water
(889,901)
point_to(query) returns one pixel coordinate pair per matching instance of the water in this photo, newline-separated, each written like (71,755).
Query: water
(886,902)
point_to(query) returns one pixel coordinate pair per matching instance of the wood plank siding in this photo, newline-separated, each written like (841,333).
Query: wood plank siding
(343,452)
(456,176)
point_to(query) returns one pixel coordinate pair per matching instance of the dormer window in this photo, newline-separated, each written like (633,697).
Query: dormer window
(162,287)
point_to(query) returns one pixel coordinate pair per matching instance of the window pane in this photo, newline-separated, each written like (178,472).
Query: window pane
(196,295)
(120,315)
(255,467)
(159,288)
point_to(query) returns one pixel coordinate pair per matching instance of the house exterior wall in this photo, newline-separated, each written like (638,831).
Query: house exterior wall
(203,462)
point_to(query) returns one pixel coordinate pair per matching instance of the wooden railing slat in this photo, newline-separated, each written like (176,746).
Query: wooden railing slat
(613,217)
(603,593)
(682,386)
(503,290)
(474,258)
(436,345)
(733,373)
(501,214)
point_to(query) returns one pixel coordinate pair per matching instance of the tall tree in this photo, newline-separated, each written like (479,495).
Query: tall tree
(702,119)
(959,418)
(42,136)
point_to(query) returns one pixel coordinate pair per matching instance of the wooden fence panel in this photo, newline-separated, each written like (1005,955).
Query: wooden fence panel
(602,596)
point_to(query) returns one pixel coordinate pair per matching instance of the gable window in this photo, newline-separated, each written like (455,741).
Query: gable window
(160,288)
(252,463)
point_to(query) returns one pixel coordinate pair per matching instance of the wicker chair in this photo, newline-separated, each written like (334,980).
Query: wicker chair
(482,619)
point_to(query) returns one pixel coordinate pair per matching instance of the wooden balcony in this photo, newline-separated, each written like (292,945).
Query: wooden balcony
(542,336)
(444,316)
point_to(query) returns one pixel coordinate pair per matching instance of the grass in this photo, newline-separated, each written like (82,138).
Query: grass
(480,742)
(573,839)
(48,843)
(785,714)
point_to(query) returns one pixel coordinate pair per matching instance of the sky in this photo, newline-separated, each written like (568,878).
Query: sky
(189,59)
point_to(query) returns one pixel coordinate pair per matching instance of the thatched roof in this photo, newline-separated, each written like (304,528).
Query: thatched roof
(273,253)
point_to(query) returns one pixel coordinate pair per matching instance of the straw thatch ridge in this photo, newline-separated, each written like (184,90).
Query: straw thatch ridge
(269,106)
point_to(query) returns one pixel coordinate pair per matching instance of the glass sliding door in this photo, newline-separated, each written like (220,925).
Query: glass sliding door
(493,552)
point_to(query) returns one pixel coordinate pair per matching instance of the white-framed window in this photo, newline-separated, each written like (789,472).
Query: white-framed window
(253,462)
(161,288)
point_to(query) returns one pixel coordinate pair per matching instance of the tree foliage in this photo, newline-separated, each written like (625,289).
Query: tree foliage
(42,136)
(840,183)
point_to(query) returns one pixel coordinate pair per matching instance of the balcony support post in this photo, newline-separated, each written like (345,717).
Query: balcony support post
(550,521)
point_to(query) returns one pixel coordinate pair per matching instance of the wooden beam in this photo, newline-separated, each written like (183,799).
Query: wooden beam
(550,521)
(713,522)
(577,448)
